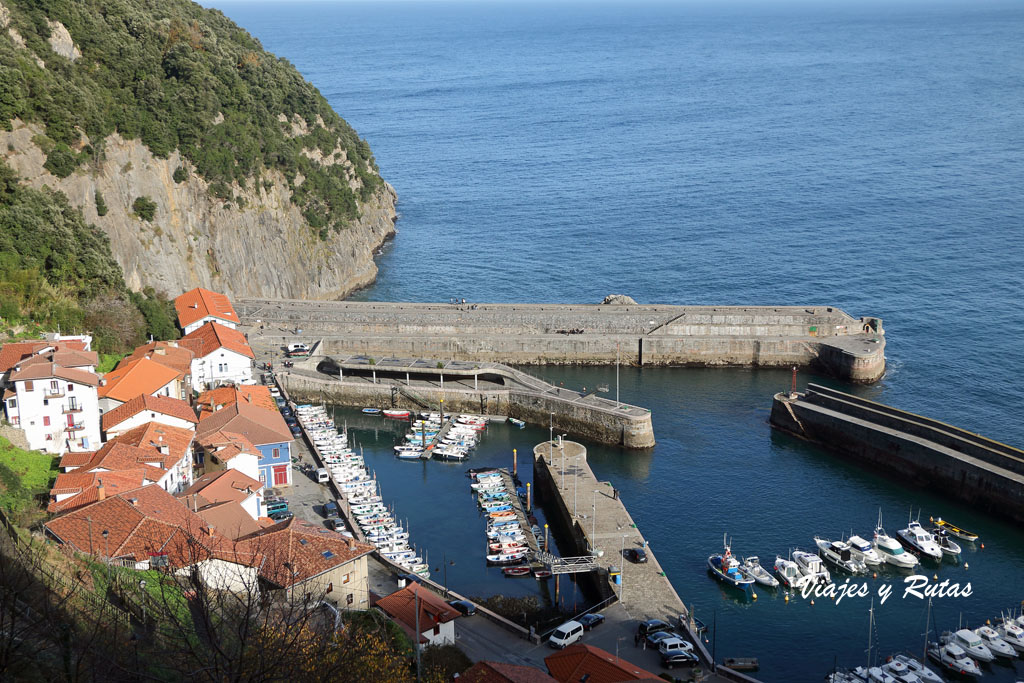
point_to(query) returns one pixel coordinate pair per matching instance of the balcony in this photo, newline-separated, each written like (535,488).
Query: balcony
(75,427)
(54,393)
(68,410)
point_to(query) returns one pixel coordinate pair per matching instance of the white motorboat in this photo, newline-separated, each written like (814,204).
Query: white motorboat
(874,674)
(890,550)
(994,642)
(843,677)
(949,547)
(970,642)
(865,552)
(920,542)
(951,657)
(811,566)
(751,568)
(1012,632)
(840,555)
(789,574)
(902,667)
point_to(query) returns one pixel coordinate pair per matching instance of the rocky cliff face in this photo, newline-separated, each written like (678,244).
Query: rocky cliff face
(263,248)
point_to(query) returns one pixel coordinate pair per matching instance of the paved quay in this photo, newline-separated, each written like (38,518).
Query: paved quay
(824,336)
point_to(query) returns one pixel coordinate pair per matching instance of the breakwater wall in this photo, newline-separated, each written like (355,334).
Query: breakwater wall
(985,473)
(821,336)
(588,416)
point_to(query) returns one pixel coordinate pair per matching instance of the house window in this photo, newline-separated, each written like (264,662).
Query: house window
(437,630)
(30,386)
(263,477)
(54,386)
(12,403)
(46,420)
(348,577)
(330,587)
(350,599)
(277,453)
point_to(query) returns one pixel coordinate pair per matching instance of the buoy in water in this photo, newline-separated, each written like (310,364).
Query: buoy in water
(754,595)
(935,577)
(812,601)
(786,599)
(875,575)
(982,546)
(965,565)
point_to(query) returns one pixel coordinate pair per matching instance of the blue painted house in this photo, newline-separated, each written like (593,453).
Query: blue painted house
(266,429)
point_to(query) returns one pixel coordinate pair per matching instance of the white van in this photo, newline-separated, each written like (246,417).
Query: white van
(565,635)
(321,476)
(298,350)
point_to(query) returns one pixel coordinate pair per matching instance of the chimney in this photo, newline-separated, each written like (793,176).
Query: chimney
(165,450)
(209,530)
(351,543)
(100,491)
(134,502)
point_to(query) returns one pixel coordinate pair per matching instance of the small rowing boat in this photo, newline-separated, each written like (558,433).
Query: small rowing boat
(516,571)
(371,411)
(954,530)
(396,414)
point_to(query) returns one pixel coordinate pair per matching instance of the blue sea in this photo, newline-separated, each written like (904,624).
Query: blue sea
(866,155)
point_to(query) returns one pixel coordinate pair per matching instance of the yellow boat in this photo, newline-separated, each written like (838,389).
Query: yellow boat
(954,530)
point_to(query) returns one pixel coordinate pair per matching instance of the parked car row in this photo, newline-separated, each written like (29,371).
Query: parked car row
(674,650)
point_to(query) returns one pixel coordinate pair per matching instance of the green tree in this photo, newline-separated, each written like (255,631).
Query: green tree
(144,208)
(101,205)
(180,174)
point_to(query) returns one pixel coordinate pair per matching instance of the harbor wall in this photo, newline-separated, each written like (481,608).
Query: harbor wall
(984,473)
(603,426)
(821,336)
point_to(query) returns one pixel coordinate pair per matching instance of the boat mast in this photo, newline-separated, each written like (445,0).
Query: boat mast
(871,629)
(927,630)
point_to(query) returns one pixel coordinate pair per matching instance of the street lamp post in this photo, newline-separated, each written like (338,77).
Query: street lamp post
(622,572)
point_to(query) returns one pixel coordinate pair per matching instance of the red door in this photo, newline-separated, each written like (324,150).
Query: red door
(71,420)
(280,475)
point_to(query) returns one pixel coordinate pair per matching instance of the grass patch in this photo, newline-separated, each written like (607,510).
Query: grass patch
(108,361)
(24,475)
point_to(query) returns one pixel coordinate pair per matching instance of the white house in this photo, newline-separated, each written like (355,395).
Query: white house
(199,306)
(436,619)
(56,406)
(230,451)
(144,408)
(221,356)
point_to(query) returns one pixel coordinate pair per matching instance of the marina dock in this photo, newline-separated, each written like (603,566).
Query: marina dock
(521,515)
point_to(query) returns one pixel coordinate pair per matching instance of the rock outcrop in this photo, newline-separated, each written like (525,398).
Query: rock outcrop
(259,247)
(61,42)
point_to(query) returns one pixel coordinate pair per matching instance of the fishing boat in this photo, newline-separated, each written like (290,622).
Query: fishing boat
(954,530)
(864,551)
(951,657)
(371,411)
(789,574)
(507,558)
(542,574)
(949,547)
(970,642)
(516,571)
(812,567)
(890,550)
(724,567)
(840,555)
(994,642)
(919,541)
(751,567)
(396,414)
(1012,632)
(517,422)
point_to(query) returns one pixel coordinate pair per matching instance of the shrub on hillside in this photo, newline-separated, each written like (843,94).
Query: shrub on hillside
(144,208)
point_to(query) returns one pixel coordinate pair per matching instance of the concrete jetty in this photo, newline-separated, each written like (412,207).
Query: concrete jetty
(821,336)
(481,388)
(985,473)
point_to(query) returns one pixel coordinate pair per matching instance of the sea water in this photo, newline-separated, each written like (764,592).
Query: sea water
(863,155)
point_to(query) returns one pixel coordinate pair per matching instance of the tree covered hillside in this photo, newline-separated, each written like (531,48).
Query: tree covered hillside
(57,272)
(178,76)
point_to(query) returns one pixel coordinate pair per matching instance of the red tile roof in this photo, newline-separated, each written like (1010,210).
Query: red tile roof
(140,523)
(257,425)
(63,357)
(226,445)
(255,394)
(84,487)
(401,606)
(221,487)
(296,551)
(579,660)
(213,336)
(171,354)
(134,377)
(228,518)
(198,303)
(46,370)
(152,435)
(11,353)
(503,672)
(73,352)
(165,405)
